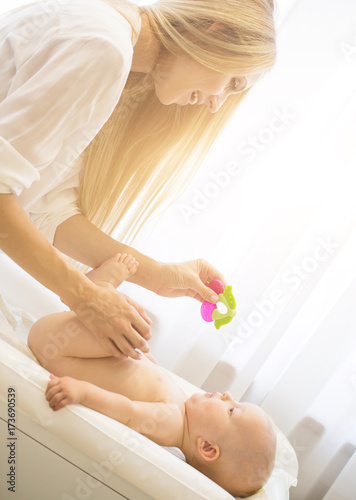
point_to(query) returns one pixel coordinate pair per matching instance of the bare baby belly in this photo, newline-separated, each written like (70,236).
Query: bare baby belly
(137,380)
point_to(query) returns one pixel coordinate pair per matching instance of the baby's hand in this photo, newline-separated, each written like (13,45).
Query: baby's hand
(63,391)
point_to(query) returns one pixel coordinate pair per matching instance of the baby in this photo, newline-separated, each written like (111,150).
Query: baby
(232,443)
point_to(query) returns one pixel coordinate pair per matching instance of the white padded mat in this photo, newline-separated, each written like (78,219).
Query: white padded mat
(161,474)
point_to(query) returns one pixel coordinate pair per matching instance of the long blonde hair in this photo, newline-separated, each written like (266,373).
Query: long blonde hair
(147,152)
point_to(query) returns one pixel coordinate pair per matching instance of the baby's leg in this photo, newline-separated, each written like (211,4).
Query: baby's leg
(114,270)
(63,346)
(61,335)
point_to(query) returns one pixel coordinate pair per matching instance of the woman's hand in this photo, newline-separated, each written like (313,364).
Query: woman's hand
(189,279)
(118,322)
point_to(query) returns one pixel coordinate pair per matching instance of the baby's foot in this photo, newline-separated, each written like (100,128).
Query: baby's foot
(114,271)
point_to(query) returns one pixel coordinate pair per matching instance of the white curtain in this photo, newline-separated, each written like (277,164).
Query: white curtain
(274,208)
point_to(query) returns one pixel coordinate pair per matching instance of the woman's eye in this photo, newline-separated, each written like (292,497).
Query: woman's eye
(234,83)
(237,85)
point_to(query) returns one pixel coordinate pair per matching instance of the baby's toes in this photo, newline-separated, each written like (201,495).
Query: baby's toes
(127,258)
(120,257)
(131,264)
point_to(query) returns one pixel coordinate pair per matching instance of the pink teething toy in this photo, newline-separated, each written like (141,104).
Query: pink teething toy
(207,308)
(210,311)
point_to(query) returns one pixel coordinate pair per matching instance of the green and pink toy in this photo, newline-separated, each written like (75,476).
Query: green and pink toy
(210,312)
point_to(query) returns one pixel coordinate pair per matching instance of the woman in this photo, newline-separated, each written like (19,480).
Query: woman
(96,134)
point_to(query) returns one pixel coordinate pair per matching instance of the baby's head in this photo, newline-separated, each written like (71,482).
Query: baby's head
(232,443)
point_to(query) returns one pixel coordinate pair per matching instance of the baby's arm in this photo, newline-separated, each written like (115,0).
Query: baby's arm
(160,422)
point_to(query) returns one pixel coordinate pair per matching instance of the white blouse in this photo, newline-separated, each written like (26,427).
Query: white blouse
(63,66)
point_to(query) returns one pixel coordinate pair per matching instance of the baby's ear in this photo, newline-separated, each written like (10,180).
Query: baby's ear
(207,450)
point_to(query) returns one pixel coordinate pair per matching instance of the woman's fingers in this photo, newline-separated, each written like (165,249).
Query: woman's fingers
(214,274)
(131,339)
(204,274)
(121,348)
(118,346)
(146,318)
(125,345)
(190,279)
(129,342)
(205,292)
(140,324)
(118,322)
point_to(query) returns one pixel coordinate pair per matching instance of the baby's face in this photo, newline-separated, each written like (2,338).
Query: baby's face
(221,419)
(242,433)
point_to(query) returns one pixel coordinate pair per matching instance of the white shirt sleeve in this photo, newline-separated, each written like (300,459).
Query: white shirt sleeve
(55,207)
(57,92)
(53,93)
(16,173)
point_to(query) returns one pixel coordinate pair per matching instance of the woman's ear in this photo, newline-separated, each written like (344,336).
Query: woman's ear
(207,450)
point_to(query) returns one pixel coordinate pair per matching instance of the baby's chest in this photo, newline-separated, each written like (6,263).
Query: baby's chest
(142,381)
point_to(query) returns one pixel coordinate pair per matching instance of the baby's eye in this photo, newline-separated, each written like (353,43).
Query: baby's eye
(231,410)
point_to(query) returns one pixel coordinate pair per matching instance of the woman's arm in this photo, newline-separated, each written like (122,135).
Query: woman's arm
(25,244)
(80,239)
(161,422)
(112,317)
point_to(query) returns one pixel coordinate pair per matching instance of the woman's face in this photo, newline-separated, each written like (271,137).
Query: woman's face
(178,77)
